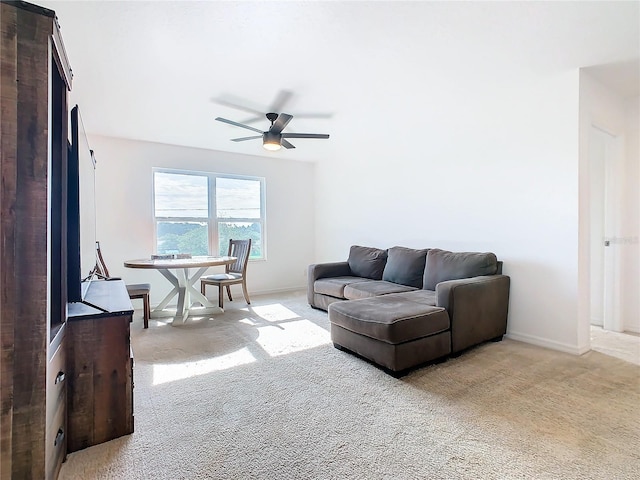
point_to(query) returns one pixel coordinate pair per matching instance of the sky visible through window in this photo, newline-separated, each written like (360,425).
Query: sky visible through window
(179,195)
(237,198)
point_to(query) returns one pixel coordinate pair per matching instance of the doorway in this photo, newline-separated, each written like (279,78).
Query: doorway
(605,152)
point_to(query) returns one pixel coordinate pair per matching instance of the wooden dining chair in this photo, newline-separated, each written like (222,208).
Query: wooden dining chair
(234,273)
(134,290)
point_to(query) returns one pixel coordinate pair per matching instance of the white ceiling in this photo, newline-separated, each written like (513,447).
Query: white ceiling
(149,70)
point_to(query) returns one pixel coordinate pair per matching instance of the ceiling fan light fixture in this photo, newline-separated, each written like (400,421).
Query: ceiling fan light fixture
(271,142)
(271,146)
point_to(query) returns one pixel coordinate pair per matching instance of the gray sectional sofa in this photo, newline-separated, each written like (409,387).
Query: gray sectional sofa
(403,307)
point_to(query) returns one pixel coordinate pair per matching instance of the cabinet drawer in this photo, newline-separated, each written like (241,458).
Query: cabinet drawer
(56,382)
(56,438)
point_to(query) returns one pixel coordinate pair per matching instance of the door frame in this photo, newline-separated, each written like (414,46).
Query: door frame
(612,185)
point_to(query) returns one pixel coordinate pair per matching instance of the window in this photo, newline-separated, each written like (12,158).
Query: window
(198,212)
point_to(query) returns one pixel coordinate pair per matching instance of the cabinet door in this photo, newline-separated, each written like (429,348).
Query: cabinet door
(100,386)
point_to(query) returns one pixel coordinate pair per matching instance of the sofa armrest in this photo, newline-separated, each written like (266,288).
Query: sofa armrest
(477,307)
(324,270)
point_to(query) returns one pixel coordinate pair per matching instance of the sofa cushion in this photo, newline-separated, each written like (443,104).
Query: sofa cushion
(443,265)
(334,286)
(424,297)
(367,262)
(389,318)
(373,288)
(405,266)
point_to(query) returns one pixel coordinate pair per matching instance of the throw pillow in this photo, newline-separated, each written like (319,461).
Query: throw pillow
(367,262)
(405,266)
(443,265)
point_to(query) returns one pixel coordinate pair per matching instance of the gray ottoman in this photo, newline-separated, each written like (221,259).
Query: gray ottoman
(392,332)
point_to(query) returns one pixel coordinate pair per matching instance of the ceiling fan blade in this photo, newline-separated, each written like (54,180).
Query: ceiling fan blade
(297,115)
(305,135)
(278,103)
(281,99)
(238,103)
(281,122)
(286,144)
(242,139)
(314,115)
(231,122)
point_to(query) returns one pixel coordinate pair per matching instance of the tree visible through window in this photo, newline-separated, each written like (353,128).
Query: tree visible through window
(197,213)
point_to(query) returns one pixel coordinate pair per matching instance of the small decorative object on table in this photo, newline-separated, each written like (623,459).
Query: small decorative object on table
(168,256)
(171,256)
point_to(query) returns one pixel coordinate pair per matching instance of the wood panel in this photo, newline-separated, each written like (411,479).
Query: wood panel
(8,151)
(28,55)
(24,236)
(100,383)
(29,414)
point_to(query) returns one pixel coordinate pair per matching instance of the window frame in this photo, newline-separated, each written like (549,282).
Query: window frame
(212,220)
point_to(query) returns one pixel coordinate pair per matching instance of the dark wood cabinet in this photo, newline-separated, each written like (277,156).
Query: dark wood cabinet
(65,381)
(100,366)
(35,78)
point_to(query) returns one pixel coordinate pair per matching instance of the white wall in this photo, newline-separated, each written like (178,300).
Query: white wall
(631,267)
(488,162)
(124,209)
(617,115)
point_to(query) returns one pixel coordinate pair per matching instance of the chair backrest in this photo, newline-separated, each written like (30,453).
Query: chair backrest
(101,267)
(241,250)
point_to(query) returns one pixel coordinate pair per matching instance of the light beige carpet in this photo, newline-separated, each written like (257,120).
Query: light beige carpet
(260,393)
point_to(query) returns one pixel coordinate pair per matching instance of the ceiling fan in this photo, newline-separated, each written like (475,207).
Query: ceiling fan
(282,98)
(273,138)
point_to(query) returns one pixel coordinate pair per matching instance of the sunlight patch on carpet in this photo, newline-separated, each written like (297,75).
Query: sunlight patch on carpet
(291,337)
(275,312)
(165,373)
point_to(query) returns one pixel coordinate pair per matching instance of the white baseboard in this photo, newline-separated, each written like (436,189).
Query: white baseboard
(251,294)
(546,343)
(279,290)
